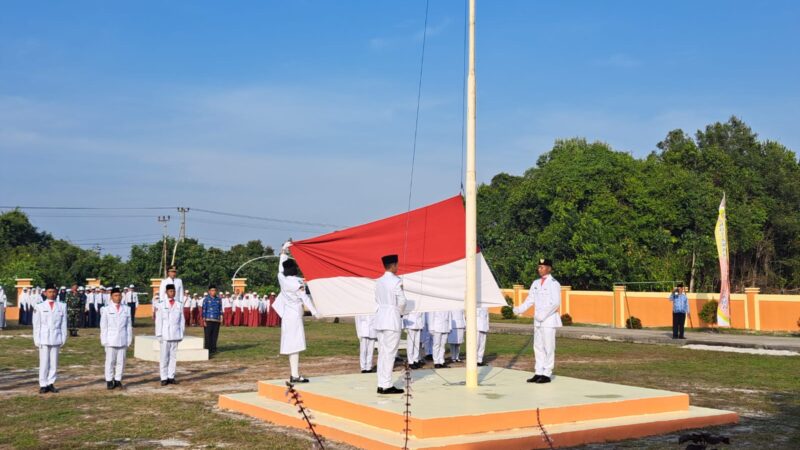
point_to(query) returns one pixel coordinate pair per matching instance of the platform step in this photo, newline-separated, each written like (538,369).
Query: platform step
(190,348)
(563,435)
(443,406)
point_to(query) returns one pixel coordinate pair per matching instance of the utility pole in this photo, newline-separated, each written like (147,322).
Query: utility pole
(164,220)
(182,234)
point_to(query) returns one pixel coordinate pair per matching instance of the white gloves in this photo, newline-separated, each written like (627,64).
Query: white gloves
(286,246)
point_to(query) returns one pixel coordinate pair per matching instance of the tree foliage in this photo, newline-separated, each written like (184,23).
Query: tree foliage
(27,253)
(605,216)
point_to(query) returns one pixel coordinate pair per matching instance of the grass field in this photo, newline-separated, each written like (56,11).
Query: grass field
(764,390)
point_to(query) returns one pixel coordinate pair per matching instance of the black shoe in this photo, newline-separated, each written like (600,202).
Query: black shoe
(172,381)
(535,379)
(110,385)
(299,379)
(438,366)
(481,364)
(421,363)
(373,370)
(52,389)
(390,390)
(164,382)
(414,366)
(543,379)
(118,384)
(365,371)
(429,358)
(681,337)
(43,390)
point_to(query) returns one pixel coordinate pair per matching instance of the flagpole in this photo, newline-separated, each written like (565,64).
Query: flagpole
(471,303)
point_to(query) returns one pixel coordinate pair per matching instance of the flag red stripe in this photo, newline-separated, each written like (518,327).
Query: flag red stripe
(435,236)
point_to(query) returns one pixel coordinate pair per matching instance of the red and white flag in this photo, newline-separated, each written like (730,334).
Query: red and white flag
(340,268)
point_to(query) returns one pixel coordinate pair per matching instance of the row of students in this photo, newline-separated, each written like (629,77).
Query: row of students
(427,337)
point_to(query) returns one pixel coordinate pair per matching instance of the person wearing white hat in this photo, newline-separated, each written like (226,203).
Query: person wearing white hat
(132,301)
(170,327)
(3,301)
(172,278)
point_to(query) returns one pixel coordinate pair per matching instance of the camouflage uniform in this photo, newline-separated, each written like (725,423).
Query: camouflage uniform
(74,312)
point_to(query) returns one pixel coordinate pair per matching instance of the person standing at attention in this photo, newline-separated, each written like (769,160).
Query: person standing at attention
(545,297)
(680,308)
(391,302)
(212,317)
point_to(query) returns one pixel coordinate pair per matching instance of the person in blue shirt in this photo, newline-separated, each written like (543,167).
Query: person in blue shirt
(212,316)
(680,307)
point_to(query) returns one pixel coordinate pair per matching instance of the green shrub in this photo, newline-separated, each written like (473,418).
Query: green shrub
(566,320)
(709,312)
(633,323)
(507,312)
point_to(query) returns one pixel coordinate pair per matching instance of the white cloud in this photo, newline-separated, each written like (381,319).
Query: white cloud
(381,42)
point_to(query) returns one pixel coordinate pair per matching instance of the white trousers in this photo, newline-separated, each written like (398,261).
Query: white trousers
(294,364)
(544,350)
(388,342)
(115,363)
(169,359)
(366,351)
(48,364)
(427,342)
(439,344)
(481,345)
(455,352)
(412,345)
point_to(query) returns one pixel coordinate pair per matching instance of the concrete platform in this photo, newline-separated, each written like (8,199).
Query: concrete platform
(148,348)
(500,412)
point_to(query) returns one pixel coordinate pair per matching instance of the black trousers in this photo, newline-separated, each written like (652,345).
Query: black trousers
(210,336)
(133,313)
(678,319)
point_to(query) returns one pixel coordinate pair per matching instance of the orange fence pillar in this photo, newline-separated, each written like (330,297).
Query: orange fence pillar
(155,283)
(517,290)
(619,306)
(22,283)
(565,299)
(239,285)
(754,309)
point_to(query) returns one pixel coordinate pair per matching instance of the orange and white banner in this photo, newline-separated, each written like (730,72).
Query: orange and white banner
(721,234)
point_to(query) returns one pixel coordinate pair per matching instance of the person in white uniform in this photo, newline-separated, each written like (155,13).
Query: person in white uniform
(172,278)
(116,333)
(170,327)
(365,330)
(413,323)
(391,302)
(49,335)
(458,325)
(439,328)
(545,297)
(3,304)
(483,331)
(289,305)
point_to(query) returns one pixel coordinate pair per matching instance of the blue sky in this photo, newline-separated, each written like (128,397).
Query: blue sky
(304,110)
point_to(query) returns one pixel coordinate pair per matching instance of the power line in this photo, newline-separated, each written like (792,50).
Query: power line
(207,211)
(267,219)
(101,208)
